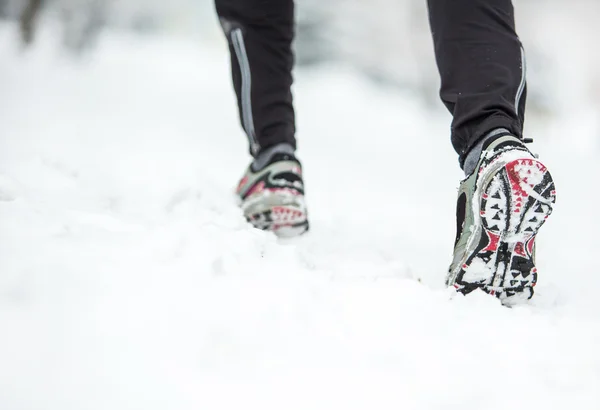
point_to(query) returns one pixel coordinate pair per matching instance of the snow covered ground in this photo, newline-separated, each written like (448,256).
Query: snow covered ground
(129,279)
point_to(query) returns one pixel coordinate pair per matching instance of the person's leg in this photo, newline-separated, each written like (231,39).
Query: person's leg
(482,68)
(508,193)
(260,34)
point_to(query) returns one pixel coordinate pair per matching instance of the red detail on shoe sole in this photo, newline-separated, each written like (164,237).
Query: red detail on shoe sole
(522,171)
(530,245)
(493,244)
(286,216)
(520,249)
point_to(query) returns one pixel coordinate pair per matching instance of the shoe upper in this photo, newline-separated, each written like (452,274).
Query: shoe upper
(282,174)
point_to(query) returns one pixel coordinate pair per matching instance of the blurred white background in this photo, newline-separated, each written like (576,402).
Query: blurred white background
(130,280)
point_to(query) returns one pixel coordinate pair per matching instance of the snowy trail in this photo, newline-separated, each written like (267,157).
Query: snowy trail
(129,279)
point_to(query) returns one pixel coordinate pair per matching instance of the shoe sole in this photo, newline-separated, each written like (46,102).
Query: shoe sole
(283,221)
(513,206)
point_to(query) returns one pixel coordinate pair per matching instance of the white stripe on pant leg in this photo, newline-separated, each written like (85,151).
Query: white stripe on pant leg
(237,40)
(523,80)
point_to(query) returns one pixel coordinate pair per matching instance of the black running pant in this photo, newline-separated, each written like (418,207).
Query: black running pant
(478,53)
